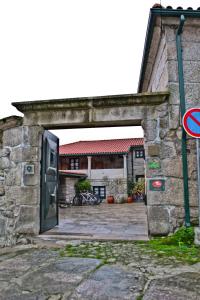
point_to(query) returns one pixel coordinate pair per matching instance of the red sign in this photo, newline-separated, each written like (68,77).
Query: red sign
(157,183)
(191,122)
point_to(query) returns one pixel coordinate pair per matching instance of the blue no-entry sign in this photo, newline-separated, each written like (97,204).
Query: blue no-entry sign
(191,122)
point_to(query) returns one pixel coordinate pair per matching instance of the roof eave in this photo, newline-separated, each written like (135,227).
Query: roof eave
(102,153)
(154,12)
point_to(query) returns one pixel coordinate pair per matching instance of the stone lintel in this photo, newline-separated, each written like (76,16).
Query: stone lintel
(10,122)
(155,98)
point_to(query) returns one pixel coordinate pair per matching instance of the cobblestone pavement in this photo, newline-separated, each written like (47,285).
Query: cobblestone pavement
(105,221)
(35,273)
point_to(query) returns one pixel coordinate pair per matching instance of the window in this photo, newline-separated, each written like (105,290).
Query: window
(139,153)
(100,191)
(74,164)
(139,177)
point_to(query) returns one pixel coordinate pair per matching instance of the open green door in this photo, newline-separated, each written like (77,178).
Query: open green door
(49,182)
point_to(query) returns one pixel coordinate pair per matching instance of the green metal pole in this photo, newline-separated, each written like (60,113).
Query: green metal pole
(182,106)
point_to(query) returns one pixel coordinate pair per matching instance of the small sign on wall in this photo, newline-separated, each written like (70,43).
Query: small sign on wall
(157,184)
(29,169)
(152,165)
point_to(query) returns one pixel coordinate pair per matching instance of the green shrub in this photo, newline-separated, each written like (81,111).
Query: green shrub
(83,185)
(183,236)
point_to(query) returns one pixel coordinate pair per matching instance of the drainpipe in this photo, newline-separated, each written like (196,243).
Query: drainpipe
(182,106)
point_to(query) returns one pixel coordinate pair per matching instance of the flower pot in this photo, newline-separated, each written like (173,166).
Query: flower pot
(129,199)
(110,199)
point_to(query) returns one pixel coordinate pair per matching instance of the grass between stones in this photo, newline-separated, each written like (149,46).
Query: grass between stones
(177,247)
(180,246)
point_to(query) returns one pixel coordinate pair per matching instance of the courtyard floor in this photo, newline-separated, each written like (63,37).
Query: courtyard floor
(37,272)
(105,221)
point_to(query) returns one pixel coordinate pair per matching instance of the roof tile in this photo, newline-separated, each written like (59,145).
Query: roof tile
(100,146)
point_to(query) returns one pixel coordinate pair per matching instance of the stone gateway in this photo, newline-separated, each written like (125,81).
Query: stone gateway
(158,107)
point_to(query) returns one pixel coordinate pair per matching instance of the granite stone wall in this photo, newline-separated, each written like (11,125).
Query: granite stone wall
(166,209)
(19,192)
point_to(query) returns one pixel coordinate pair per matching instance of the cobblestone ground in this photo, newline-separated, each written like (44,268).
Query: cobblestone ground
(104,221)
(40,273)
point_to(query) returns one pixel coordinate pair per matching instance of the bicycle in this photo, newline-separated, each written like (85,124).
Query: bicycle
(86,198)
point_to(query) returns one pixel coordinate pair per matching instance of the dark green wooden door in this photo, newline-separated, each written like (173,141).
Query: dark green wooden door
(49,182)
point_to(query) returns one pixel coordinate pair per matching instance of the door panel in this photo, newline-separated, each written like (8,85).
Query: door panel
(49,182)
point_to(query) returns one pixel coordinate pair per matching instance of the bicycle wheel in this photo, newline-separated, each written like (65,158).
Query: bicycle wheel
(93,199)
(77,200)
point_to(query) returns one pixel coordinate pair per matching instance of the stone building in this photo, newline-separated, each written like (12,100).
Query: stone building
(66,187)
(109,164)
(172,43)
(169,83)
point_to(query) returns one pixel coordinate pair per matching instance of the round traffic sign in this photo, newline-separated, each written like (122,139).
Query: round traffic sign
(191,122)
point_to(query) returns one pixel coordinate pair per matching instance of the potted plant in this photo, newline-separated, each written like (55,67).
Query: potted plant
(129,199)
(110,199)
(82,185)
(130,191)
(139,190)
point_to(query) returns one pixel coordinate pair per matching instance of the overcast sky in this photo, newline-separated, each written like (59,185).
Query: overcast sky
(73,48)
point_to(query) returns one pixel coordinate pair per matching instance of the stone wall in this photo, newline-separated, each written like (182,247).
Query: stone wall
(135,166)
(19,193)
(166,209)
(20,145)
(66,190)
(116,187)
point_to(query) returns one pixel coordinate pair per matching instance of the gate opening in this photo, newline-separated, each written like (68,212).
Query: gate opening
(94,165)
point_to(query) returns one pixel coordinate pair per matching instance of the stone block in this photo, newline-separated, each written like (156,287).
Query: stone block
(33,135)
(158,218)
(192,166)
(192,71)
(10,122)
(197,236)
(13,176)
(162,110)
(174,116)
(30,154)
(16,154)
(173,71)
(172,167)
(191,34)
(153,168)
(4,163)
(3,202)
(192,95)
(4,152)
(153,150)
(168,150)
(13,137)
(193,193)
(22,195)
(191,51)
(173,194)
(31,180)
(170,32)
(25,153)
(174,98)
(28,220)
(2,227)
(2,189)
(194,216)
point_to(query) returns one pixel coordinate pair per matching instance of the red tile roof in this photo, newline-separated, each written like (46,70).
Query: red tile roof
(100,146)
